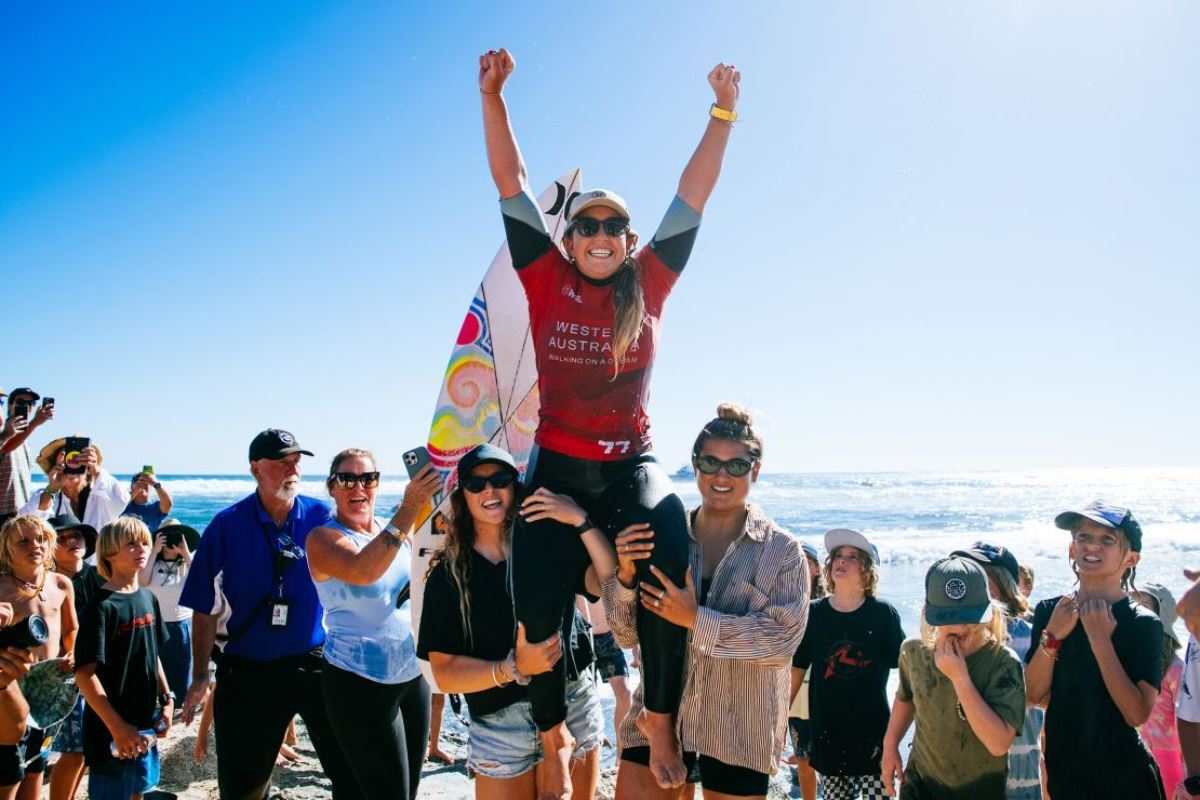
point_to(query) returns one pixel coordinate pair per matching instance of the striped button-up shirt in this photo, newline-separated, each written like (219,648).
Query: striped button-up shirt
(735,696)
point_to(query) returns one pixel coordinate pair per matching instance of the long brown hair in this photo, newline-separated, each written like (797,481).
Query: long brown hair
(457,547)
(1008,594)
(629,310)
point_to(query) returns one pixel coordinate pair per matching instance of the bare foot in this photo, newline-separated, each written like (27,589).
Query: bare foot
(286,756)
(554,779)
(666,759)
(436,754)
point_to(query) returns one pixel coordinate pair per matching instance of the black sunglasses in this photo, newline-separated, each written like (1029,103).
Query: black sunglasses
(477,483)
(346,480)
(588,227)
(734,467)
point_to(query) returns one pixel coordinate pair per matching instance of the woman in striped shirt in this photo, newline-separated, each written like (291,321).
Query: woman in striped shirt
(744,602)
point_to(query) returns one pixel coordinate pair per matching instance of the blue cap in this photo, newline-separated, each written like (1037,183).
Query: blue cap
(1105,515)
(993,555)
(484,454)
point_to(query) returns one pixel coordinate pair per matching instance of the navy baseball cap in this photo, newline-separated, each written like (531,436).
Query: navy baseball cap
(956,593)
(991,555)
(24,390)
(485,454)
(1114,518)
(275,444)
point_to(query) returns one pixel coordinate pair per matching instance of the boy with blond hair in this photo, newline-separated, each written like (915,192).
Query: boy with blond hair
(119,672)
(28,583)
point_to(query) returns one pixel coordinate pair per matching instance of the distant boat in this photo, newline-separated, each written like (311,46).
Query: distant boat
(684,473)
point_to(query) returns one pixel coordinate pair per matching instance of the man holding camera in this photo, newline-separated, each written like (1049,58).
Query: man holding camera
(270,667)
(23,417)
(151,512)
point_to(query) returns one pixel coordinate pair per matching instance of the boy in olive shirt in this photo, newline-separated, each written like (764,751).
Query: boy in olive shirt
(964,689)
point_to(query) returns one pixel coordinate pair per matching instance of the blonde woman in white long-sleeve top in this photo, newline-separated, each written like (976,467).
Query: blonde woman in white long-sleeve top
(744,603)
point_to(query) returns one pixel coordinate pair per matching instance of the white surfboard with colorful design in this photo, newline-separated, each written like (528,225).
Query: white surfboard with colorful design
(490,392)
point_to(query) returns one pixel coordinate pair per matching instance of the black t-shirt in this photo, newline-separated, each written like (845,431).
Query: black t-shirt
(1090,750)
(121,634)
(87,583)
(848,656)
(493,628)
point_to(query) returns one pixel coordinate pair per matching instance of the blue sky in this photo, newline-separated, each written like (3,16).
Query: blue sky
(947,236)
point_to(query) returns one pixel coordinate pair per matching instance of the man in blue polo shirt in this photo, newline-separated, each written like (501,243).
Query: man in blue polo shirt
(270,667)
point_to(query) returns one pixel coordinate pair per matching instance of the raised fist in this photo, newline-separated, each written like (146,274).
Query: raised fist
(494,69)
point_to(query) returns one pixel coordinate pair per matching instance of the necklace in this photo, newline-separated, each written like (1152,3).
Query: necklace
(27,589)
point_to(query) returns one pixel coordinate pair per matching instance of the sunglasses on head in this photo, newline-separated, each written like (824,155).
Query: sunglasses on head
(346,480)
(477,483)
(587,227)
(734,467)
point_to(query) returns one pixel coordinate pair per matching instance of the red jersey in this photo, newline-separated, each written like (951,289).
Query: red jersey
(585,411)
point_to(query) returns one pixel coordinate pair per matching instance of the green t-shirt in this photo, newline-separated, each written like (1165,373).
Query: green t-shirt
(947,758)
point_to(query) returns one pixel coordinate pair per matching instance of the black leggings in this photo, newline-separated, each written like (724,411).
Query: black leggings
(549,561)
(383,729)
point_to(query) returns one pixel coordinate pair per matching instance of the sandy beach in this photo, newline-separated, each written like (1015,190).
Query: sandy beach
(184,779)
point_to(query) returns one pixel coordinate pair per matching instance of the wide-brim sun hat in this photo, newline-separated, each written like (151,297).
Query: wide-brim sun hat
(70,522)
(190,534)
(45,458)
(1166,608)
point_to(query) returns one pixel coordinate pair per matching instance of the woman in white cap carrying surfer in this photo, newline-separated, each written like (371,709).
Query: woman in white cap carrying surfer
(595,308)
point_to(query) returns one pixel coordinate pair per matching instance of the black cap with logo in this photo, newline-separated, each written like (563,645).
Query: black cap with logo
(275,444)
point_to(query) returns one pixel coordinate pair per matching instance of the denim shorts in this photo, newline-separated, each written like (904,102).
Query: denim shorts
(120,779)
(505,744)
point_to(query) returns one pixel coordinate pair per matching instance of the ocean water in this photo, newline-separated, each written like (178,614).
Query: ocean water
(913,518)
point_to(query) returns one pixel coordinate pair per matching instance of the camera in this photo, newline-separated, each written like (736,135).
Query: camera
(29,632)
(172,538)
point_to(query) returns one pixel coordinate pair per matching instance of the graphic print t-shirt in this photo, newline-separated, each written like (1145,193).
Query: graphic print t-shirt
(848,656)
(585,412)
(120,634)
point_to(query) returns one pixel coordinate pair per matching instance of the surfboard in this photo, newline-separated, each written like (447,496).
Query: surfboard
(490,391)
(50,692)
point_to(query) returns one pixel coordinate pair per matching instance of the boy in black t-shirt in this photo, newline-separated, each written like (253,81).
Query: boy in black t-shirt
(1096,665)
(852,640)
(117,666)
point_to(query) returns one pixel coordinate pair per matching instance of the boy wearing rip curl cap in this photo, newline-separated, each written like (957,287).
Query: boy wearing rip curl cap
(1096,664)
(962,687)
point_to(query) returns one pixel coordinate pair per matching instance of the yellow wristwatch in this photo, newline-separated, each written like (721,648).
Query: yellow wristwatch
(716,112)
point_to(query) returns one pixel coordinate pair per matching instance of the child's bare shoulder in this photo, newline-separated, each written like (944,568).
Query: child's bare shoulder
(63,583)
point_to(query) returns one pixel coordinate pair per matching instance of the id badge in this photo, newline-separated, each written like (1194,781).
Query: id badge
(279,613)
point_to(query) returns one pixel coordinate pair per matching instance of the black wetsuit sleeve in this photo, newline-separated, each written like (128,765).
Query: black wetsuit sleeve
(676,234)
(525,229)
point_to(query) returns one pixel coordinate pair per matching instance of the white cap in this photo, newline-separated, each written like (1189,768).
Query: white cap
(596,197)
(840,537)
